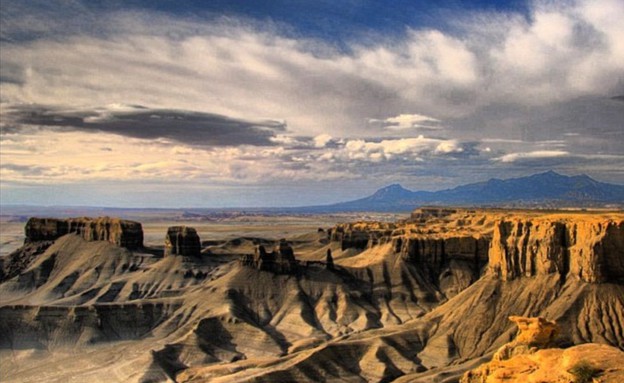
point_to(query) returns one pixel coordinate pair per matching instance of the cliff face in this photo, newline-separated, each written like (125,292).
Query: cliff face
(590,250)
(448,255)
(434,252)
(362,235)
(128,234)
(182,240)
(281,260)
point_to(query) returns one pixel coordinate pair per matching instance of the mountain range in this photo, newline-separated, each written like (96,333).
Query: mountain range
(548,189)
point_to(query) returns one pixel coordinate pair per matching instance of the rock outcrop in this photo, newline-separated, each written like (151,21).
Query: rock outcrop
(182,240)
(281,260)
(528,358)
(16,262)
(425,213)
(533,334)
(128,234)
(590,250)
(361,235)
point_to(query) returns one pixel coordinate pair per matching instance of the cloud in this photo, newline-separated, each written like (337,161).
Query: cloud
(32,170)
(538,154)
(236,68)
(407,148)
(195,128)
(322,140)
(540,87)
(408,121)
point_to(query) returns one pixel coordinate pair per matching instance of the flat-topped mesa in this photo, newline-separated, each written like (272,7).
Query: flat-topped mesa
(281,260)
(589,249)
(128,234)
(182,240)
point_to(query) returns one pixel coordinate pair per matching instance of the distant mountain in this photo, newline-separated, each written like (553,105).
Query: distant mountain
(549,189)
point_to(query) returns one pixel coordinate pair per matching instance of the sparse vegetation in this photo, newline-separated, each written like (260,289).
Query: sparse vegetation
(584,372)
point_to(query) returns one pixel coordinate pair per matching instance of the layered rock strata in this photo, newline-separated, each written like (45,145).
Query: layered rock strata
(590,250)
(128,234)
(182,240)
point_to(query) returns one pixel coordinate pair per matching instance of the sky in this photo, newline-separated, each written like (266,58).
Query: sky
(291,103)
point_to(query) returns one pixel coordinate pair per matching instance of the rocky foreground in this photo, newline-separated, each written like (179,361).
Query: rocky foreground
(423,300)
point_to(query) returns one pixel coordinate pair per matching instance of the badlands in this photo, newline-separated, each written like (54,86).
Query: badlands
(427,298)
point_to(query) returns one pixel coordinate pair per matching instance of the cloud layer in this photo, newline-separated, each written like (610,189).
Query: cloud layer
(191,128)
(235,101)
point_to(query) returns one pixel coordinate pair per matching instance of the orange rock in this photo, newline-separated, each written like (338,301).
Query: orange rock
(553,365)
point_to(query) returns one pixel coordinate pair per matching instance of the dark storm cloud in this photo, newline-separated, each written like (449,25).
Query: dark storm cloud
(188,127)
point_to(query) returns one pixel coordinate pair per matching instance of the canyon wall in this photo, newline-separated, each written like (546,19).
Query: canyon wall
(589,249)
(128,234)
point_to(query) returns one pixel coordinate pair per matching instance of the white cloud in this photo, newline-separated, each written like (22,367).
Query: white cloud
(409,148)
(561,53)
(321,140)
(513,157)
(408,121)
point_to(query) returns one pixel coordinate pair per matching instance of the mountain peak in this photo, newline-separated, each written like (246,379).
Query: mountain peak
(550,174)
(391,191)
(393,187)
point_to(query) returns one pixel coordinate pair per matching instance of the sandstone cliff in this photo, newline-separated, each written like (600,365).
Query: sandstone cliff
(589,249)
(128,234)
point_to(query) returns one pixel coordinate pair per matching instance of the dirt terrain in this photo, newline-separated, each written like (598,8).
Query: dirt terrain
(423,299)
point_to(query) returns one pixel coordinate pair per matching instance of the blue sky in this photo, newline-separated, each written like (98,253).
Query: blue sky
(285,103)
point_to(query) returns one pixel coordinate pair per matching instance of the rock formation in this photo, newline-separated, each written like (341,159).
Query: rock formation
(590,250)
(182,240)
(528,358)
(533,334)
(425,213)
(281,260)
(361,235)
(128,234)
(329,260)
(420,302)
